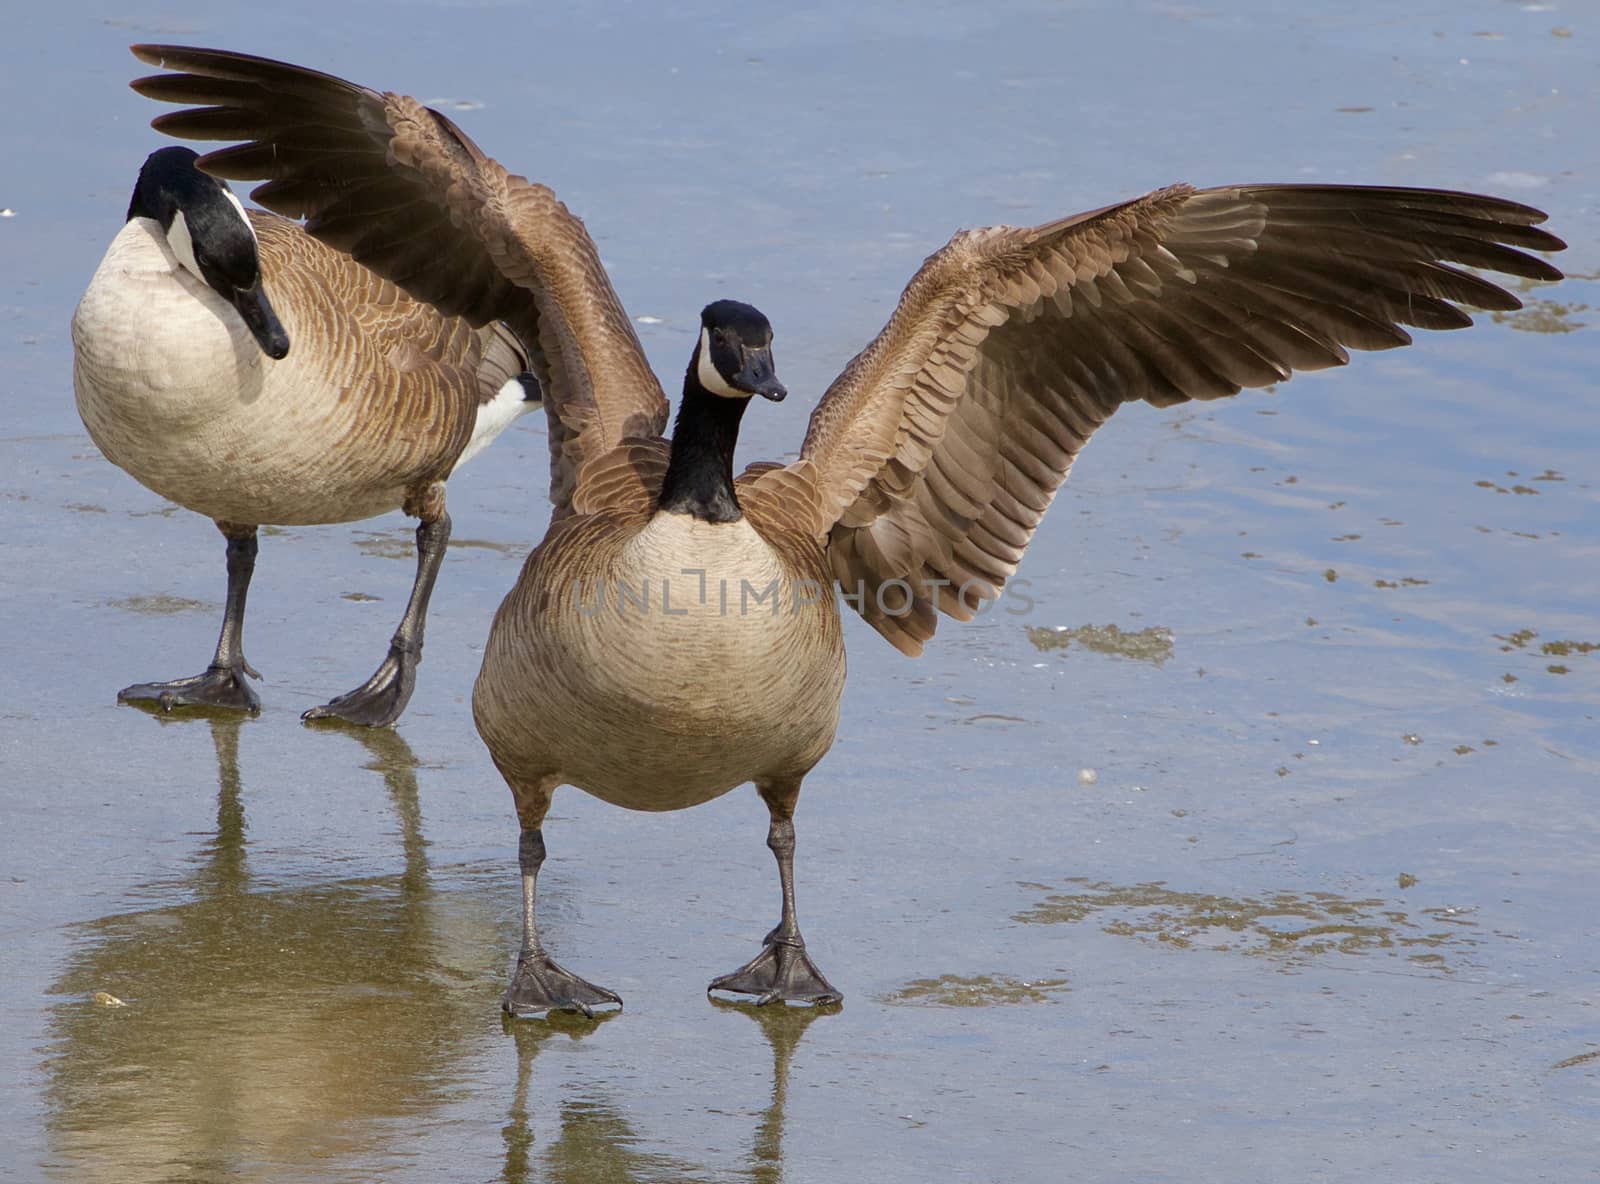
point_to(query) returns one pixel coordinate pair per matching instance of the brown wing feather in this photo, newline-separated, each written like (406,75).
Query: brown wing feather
(936,453)
(440,366)
(403,190)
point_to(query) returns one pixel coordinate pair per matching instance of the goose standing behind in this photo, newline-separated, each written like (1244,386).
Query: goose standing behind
(926,467)
(235,365)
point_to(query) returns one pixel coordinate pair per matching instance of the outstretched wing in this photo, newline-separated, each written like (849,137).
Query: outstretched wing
(936,453)
(403,190)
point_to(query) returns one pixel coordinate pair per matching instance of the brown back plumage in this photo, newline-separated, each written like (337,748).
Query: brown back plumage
(417,362)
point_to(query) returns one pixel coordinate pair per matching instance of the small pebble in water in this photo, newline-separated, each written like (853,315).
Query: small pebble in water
(107,999)
(1412,738)
(1087,776)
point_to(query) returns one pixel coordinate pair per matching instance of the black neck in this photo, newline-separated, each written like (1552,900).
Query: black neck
(699,478)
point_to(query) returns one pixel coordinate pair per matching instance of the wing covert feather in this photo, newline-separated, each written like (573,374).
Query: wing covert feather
(936,452)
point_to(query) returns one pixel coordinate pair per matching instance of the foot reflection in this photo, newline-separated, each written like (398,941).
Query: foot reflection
(270,1031)
(783,1027)
(518,1132)
(595,1142)
(392,758)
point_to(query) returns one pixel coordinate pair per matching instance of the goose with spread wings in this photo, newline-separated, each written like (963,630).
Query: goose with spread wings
(677,632)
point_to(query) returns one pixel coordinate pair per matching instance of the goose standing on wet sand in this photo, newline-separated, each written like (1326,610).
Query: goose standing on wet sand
(235,365)
(926,467)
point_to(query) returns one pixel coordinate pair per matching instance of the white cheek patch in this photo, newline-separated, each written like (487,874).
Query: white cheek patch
(707,373)
(243,217)
(182,244)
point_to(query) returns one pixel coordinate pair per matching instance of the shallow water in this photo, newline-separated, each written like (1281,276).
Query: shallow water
(1322,911)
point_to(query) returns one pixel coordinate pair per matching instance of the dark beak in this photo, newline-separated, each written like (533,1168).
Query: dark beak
(759,377)
(262,322)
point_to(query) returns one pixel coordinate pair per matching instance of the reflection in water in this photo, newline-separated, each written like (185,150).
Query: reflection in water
(1288,927)
(290,1034)
(783,1027)
(597,1145)
(265,1029)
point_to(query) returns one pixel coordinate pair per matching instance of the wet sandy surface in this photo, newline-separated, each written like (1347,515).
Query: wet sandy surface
(1324,909)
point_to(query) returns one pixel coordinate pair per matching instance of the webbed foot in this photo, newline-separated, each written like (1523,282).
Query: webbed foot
(221,687)
(540,985)
(780,972)
(377,702)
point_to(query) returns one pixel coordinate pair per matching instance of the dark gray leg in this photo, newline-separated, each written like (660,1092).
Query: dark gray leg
(539,984)
(381,699)
(223,683)
(782,970)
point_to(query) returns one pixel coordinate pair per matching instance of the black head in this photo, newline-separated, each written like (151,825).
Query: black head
(207,230)
(734,358)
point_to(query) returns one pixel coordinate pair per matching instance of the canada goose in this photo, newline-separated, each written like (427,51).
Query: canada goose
(233,364)
(673,635)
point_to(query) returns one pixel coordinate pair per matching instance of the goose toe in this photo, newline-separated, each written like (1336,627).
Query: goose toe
(377,702)
(781,972)
(540,985)
(221,687)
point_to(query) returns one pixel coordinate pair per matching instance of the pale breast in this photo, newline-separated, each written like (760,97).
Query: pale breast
(690,660)
(173,389)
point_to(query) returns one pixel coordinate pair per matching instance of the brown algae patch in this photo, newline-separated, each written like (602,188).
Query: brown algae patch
(160,606)
(1291,928)
(402,545)
(1519,490)
(1561,648)
(1543,316)
(386,545)
(982,990)
(1583,1058)
(1147,645)
(1517,640)
(490,545)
